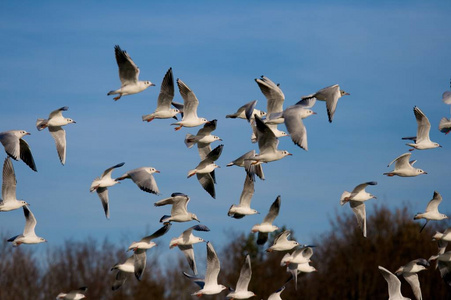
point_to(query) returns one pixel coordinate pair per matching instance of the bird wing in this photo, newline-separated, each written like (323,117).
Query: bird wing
(434,203)
(412,279)
(30,221)
(128,71)
(273,211)
(11,144)
(108,171)
(188,251)
(213,266)
(423,125)
(58,112)
(295,126)
(203,150)
(401,161)
(157,233)
(9,181)
(248,192)
(245,275)
(25,155)
(273,94)
(166,92)
(214,154)
(208,128)
(445,270)
(283,236)
(103,195)
(262,238)
(144,180)
(190,102)
(358,208)
(362,186)
(121,278)
(59,135)
(307,102)
(267,141)
(207,182)
(139,262)
(394,285)
(179,206)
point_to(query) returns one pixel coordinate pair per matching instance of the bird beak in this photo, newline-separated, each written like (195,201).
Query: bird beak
(314,113)
(152,84)
(425,173)
(290,154)
(157,171)
(27,133)
(347,94)
(221,141)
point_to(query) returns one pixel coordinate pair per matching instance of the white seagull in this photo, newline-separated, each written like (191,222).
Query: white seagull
(245,162)
(242,285)
(356,200)
(394,285)
(276,294)
(244,207)
(330,94)
(54,123)
(431,212)
(266,226)
(281,242)
(146,242)
(128,74)
(409,272)
(404,167)
(299,256)
(247,112)
(267,144)
(143,178)
(203,138)
(209,285)
(421,141)
(28,236)
(101,184)
(190,104)
(16,147)
(9,200)
(164,110)
(179,212)
(135,264)
(185,243)
(74,294)
(204,171)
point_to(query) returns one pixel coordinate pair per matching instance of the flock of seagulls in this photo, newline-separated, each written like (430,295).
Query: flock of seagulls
(264,131)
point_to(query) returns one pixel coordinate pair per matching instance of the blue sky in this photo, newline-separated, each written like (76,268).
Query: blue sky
(389,57)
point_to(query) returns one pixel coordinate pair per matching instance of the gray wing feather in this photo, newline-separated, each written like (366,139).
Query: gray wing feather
(144,181)
(207,182)
(295,126)
(248,192)
(26,156)
(245,275)
(128,71)
(59,135)
(9,181)
(188,251)
(166,92)
(157,233)
(360,213)
(139,262)
(103,195)
(190,102)
(273,211)
(412,279)
(213,266)
(30,221)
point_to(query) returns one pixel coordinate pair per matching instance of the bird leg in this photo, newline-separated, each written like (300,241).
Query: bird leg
(150,119)
(117,98)
(178,128)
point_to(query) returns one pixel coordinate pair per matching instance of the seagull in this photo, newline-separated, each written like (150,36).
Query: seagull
(143,178)
(146,242)
(9,201)
(190,104)
(274,97)
(403,167)
(16,147)
(444,238)
(73,295)
(203,138)
(281,242)
(54,123)
(28,236)
(205,168)
(164,110)
(356,200)
(179,212)
(185,243)
(276,294)
(129,75)
(394,285)
(101,184)
(421,141)
(247,112)
(266,226)
(245,162)
(299,256)
(409,272)
(330,94)
(293,116)
(267,143)
(302,267)
(244,208)
(432,212)
(444,125)
(242,285)
(136,264)
(444,265)
(209,285)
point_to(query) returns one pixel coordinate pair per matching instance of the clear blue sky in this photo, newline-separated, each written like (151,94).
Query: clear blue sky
(389,57)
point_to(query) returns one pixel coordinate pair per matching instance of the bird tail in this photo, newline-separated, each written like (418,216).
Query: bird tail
(147,118)
(231,116)
(164,218)
(344,197)
(112,93)
(41,124)
(412,138)
(417,216)
(190,140)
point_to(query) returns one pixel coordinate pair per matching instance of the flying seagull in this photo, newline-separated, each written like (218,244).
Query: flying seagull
(28,236)
(16,147)
(421,141)
(330,94)
(431,212)
(404,167)
(9,201)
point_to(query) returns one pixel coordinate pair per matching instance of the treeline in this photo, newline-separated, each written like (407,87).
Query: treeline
(346,263)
